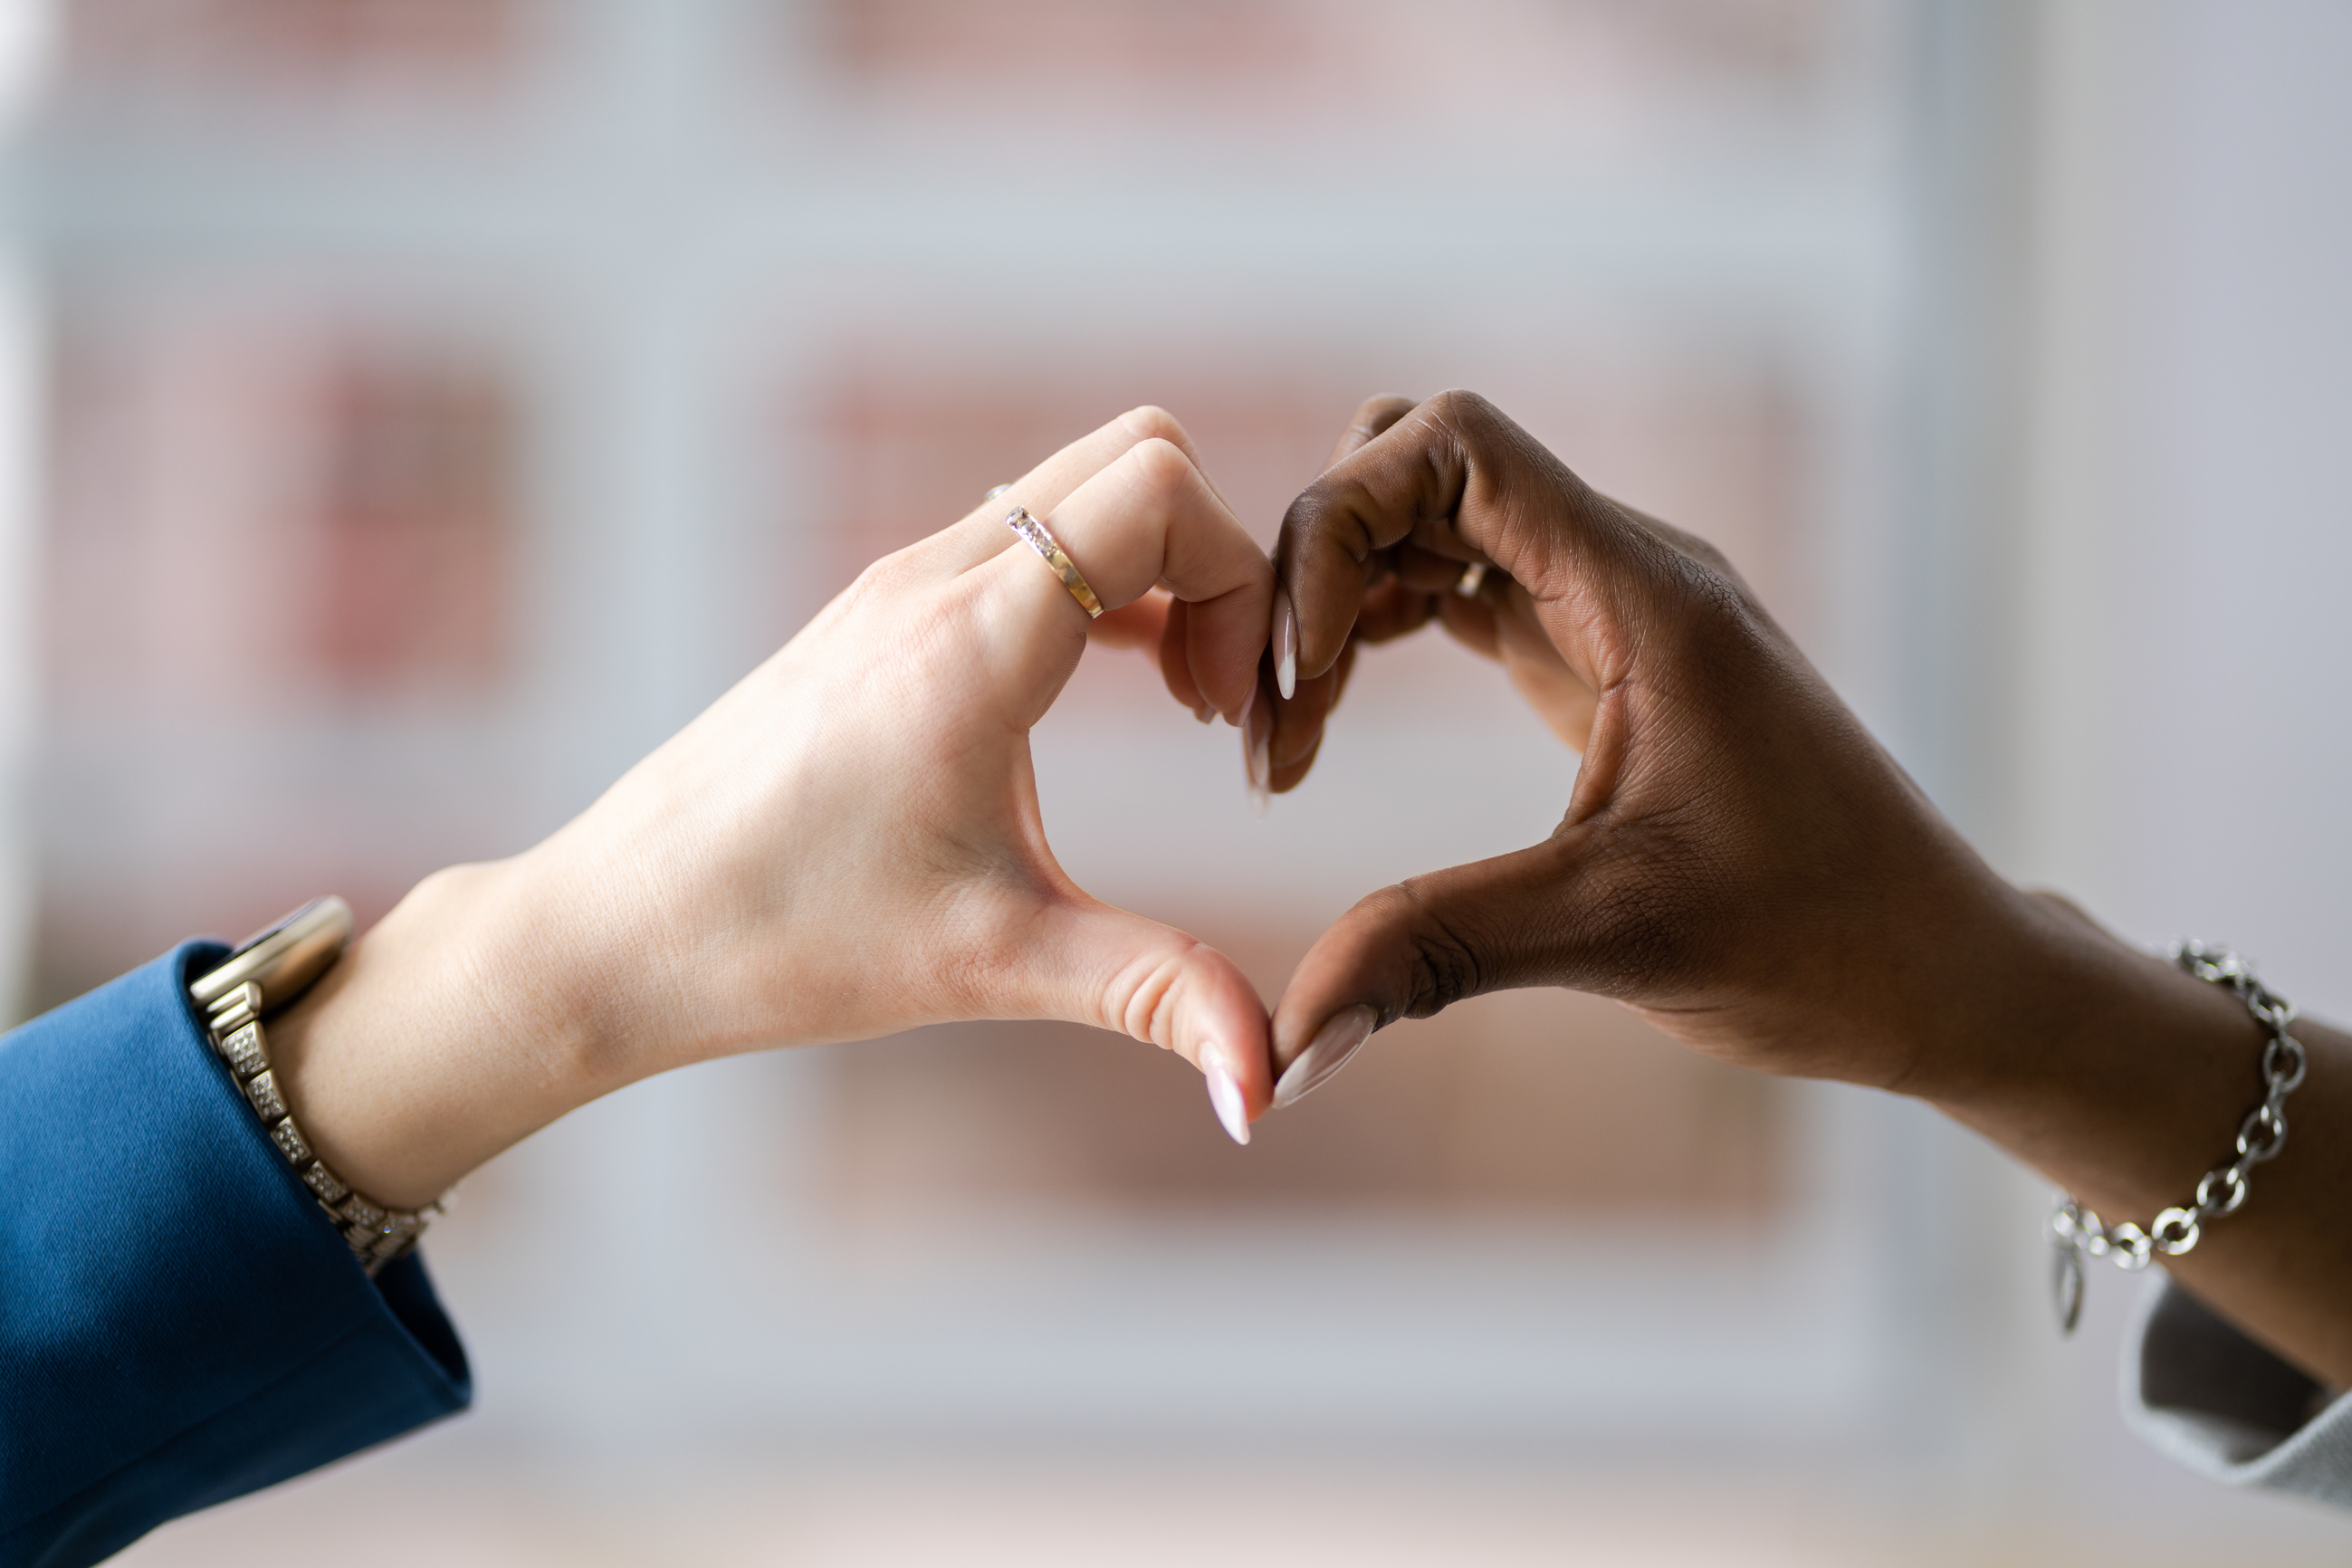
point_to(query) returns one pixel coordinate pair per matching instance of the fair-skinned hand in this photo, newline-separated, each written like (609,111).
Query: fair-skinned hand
(847,844)
(1744,866)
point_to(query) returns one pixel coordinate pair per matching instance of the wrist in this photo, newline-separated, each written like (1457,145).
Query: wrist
(442,1038)
(2103,1066)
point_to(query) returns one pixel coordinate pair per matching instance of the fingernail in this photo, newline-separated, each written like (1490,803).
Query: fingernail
(1286,645)
(1257,743)
(1225,1099)
(1203,712)
(1341,1037)
(1473,577)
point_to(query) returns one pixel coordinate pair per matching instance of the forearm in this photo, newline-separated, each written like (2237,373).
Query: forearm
(2124,1080)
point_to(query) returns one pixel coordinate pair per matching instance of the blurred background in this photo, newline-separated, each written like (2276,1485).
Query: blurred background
(412,410)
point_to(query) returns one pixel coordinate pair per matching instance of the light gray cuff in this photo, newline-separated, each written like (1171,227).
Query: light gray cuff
(2209,1396)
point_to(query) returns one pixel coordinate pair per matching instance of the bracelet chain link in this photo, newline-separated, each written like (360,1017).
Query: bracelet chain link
(2077,1231)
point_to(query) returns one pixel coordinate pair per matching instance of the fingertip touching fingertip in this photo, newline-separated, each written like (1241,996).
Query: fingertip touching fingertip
(1340,1038)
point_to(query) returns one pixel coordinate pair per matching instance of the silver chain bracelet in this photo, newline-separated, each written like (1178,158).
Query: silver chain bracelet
(2076,1230)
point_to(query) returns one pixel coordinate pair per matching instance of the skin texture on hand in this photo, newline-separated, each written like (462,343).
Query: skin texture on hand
(847,844)
(1732,821)
(1742,864)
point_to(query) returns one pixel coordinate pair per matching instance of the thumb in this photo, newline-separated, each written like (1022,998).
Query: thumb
(1414,949)
(1092,963)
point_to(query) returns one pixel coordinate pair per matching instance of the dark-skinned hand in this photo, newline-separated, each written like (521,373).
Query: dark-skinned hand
(1734,840)
(1740,862)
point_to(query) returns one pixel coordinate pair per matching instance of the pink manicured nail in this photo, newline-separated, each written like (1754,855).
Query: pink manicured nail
(1286,645)
(1225,1099)
(1341,1037)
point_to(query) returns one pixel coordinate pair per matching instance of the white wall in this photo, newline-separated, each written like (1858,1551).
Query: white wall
(2189,534)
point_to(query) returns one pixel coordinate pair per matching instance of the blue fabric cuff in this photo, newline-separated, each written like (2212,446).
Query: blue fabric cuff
(179,1324)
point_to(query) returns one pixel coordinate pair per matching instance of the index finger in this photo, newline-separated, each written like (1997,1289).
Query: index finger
(981,532)
(1459,479)
(1148,519)
(1296,713)
(1372,417)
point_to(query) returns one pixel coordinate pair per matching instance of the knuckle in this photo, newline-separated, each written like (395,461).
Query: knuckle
(1717,597)
(893,571)
(1717,582)
(1162,465)
(1712,557)
(1323,524)
(1152,422)
(1140,999)
(1461,409)
(1713,616)
(881,582)
(1300,519)
(1441,956)
(1727,624)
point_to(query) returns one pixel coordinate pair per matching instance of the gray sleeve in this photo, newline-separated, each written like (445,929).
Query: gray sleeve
(2213,1399)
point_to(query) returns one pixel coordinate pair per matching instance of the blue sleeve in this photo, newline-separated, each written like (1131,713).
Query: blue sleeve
(179,1324)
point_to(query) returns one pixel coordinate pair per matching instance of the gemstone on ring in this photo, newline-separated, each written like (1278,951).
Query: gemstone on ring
(1041,539)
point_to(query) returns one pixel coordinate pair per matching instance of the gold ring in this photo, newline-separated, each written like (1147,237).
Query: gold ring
(1033,533)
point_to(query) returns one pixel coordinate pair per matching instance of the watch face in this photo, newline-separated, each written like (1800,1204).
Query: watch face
(286,957)
(285,922)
